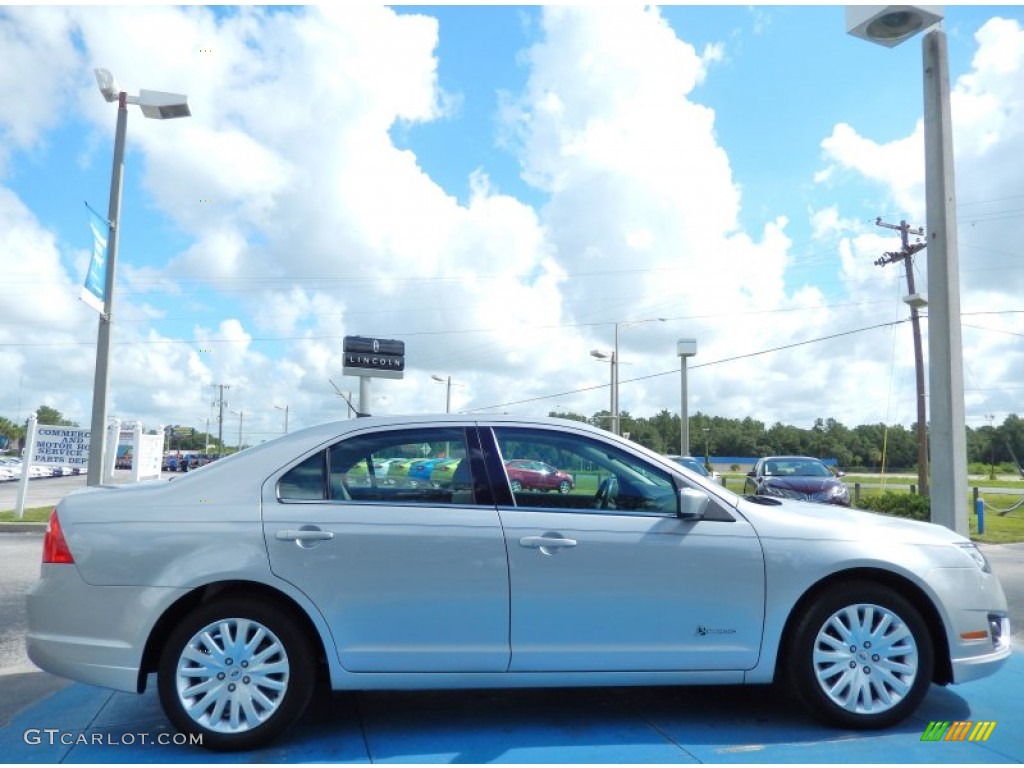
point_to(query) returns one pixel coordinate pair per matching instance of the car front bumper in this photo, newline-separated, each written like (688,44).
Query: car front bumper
(967,668)
(976,619)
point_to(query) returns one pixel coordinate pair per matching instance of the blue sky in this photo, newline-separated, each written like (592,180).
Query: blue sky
(501,187)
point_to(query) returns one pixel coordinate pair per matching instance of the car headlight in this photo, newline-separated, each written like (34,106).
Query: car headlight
(972,551)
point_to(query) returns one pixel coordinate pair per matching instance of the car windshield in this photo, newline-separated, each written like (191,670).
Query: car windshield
(692,464)
(797,468)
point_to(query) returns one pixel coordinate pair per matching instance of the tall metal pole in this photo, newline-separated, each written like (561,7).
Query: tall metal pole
(684,348)
(684,417)
(285,409)
(101,381)
(220,419)
(615,384)
(364,394)
(907,255)
(945,347)
(448,397)
(922,400)
(611,391)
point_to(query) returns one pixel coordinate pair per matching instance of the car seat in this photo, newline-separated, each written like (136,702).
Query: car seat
(462,484)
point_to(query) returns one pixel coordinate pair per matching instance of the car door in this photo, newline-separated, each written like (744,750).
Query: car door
(623,584)
(410,578)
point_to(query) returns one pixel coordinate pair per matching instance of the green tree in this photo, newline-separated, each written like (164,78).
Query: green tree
(13,433)
(51,416)
(568,415)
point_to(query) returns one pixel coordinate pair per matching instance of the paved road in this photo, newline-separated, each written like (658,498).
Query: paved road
(47,491)
(1007,561)
(21,681)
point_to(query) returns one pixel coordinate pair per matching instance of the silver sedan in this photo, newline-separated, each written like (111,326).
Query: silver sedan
(239,584)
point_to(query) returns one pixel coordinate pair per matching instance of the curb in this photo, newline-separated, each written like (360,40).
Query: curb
(22,527)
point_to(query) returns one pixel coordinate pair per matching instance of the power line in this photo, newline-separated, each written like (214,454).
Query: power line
(675,371)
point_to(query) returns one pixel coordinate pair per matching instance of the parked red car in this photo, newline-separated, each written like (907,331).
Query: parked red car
(536,475)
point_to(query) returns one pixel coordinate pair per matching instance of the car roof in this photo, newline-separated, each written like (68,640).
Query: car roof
(792,458)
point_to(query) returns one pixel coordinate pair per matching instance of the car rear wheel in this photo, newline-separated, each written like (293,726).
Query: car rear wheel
(516,486)
(238,672)
(861,657)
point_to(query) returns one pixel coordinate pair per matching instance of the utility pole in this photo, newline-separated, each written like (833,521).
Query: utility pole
(915,302)
(220,403)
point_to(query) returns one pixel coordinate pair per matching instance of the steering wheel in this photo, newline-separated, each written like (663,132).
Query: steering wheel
(606,493)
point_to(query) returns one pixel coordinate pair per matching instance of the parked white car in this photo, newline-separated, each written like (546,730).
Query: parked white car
(239,584)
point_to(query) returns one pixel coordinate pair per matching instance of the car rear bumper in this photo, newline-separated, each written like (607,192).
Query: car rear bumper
(92,634)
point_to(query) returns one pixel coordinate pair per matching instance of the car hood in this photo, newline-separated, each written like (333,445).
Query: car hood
(802,484)
(785,518)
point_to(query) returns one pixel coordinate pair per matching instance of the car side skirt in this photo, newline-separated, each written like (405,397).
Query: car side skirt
(425,681)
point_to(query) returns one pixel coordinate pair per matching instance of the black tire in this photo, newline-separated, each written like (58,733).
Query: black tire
(276,697)
(516,486)
(564,487)
(861,657)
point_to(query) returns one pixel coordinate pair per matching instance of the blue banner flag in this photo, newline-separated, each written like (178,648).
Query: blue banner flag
(95,289)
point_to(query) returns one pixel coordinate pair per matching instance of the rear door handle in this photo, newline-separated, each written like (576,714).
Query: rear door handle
(290,534)
(546,542)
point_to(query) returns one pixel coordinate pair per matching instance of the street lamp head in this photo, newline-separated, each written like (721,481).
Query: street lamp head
(157,105)
(107,85)
(162,106)
(435,377)
(915,301)
(890,25)
(600,355)
(686,347)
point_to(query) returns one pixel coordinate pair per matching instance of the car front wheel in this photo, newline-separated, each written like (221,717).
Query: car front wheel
(861,657)
(237,672)
(564,487)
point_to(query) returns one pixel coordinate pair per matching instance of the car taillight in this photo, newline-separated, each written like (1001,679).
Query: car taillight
(55,548)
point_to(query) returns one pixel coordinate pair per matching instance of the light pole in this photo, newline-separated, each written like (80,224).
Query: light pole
(684,348)
(890,26)
(240,415)
(448,396)
(615,362)
(990,418)
(613,358)
(285,409)
(158,106)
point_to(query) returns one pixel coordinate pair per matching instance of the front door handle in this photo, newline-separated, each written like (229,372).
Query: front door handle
(546,542)
(290,534)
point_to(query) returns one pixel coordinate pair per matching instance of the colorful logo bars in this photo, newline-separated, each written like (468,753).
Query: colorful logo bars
(960,730)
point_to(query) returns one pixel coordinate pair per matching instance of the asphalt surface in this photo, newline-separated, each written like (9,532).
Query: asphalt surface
(47,491)
(600,725)
(44,719)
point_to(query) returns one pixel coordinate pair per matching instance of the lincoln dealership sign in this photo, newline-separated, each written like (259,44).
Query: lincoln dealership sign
(378,358)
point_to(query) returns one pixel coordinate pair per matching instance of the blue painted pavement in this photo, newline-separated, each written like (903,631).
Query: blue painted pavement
(82,724)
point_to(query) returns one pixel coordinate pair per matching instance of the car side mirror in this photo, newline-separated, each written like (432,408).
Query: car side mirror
(750,473)
(692,504)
